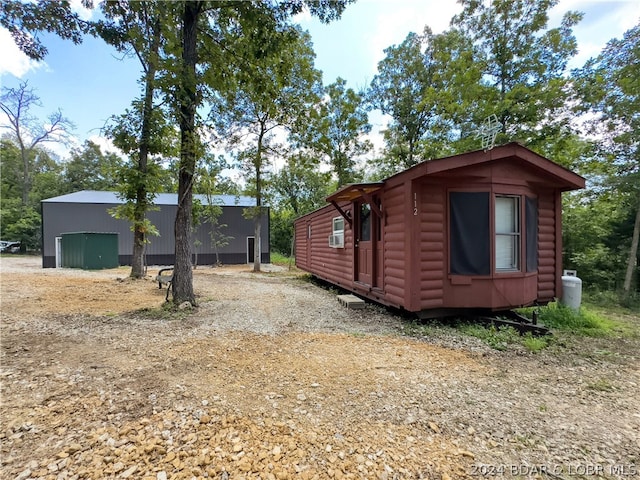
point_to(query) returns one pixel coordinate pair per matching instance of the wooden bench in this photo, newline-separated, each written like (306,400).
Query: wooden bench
(165,276)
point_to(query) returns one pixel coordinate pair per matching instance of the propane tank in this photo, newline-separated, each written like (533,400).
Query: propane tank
(571,289)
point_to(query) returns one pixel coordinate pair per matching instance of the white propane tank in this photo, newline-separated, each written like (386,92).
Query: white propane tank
(571,289)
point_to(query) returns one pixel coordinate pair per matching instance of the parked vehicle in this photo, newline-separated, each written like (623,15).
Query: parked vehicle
(9,247)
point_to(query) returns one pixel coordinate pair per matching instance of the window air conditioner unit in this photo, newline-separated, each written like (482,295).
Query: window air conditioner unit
(336,241)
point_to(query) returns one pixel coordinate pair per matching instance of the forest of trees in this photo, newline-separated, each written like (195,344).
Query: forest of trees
(242,76)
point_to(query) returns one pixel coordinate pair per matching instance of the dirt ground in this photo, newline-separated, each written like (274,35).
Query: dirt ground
(270,377)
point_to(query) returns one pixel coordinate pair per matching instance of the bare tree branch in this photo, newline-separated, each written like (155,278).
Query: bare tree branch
(28,131)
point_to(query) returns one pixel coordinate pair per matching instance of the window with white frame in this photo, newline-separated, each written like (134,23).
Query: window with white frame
(507,221)
(336,239)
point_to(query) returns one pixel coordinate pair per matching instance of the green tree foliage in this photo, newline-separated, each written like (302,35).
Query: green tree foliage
(335,131)
(423,83)
(27,20)
(592,241)
(404,89)
(298,188)
(523,63)
(29,174)
(11,169)
(209,182)
(90,169)
(608,86)
(208,32)
(135,28)
(28,132)
(20,221)
(267,99)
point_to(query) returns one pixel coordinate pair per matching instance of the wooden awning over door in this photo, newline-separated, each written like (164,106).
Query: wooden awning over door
(353,192)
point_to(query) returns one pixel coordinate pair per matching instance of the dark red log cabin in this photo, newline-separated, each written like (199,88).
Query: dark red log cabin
(481,230)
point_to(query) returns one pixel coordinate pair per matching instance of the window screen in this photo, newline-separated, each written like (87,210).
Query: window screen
(470,238)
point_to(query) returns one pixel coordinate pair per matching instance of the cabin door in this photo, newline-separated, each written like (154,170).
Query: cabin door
(364,251)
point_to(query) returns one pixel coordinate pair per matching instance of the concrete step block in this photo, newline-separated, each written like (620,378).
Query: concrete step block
(351,301)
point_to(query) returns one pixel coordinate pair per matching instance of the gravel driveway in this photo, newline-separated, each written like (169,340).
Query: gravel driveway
(272,378)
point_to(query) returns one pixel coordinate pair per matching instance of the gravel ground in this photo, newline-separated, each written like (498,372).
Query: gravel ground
(272,378)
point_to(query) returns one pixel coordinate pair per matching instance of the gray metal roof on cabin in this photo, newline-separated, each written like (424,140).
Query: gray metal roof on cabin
(94,196)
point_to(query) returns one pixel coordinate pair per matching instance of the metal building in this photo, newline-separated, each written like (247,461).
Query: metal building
(88,211)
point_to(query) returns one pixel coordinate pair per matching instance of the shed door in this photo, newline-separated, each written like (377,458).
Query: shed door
(364,246)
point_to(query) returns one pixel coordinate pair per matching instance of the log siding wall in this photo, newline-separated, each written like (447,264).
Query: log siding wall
(546,246)
(395,233)
(432,246)
(315,255)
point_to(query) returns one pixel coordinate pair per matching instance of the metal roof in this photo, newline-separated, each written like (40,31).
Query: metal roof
(94,196)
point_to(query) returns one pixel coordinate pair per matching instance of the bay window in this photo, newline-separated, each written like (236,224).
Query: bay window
(481,223)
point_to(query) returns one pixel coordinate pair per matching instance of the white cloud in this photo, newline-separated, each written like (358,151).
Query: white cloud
(303,16)
(84,13)
(12,60)
(16,63)
(106,145)
(603,21)
(379,122)
(63,149)
(397,19)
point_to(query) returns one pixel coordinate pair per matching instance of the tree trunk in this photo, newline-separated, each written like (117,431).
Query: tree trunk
(182,285)
(258,212)
(26,174)
(140,211)
(633,254)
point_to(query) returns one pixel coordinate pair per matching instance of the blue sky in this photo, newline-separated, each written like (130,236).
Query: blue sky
(90,82)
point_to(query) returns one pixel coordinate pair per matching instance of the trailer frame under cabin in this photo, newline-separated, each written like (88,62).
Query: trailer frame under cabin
(476,231)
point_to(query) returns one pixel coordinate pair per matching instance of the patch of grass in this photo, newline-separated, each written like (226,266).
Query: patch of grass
(583,322)
(498,338)
(357,334)
(281,260)
(602,324)
(613,301)
(415,328)
(601,385)
(534,344)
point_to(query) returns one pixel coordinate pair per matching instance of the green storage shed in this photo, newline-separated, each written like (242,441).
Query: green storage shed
(90,250)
